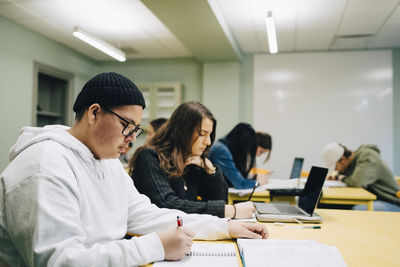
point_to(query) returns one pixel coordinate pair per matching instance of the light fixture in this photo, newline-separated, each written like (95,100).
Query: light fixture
(269,21)
(105,47)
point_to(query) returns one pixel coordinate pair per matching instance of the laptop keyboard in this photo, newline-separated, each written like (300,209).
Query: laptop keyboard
(286,209)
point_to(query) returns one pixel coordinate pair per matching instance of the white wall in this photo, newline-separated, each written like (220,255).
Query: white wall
(306,100)
(221,94)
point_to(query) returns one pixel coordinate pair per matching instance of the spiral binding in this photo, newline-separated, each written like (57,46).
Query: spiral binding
(212,253)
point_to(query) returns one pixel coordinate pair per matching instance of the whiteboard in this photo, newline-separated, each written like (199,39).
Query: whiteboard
(307,100)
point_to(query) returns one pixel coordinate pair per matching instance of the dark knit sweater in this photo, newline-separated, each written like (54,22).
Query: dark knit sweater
(150,179)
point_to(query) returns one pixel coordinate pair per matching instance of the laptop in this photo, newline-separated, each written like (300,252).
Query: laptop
(295,173)
(304,211)
(296,168)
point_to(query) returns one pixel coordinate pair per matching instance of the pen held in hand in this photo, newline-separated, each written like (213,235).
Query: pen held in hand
(254,188)
(179,221)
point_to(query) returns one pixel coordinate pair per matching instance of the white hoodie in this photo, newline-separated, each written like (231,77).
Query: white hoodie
(59,206)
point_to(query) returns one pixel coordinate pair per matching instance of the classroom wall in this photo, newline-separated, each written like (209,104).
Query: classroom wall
(245,105)
(307,100)
(188,71)
(221,93)
(19,49)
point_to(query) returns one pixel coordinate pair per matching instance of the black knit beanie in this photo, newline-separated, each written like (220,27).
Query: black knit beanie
(109,89)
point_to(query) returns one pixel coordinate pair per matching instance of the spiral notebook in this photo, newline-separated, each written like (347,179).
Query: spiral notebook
(206,254)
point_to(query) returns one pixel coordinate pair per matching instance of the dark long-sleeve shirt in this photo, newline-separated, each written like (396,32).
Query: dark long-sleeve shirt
(150,179)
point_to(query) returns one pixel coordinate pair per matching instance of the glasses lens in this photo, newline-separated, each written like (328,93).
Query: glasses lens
(138,132)
(131,128)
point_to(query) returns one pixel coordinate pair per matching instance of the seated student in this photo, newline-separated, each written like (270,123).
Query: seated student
(264,145)
(235,155)
(154,125)
(364,168)
(65,199)
(172,169)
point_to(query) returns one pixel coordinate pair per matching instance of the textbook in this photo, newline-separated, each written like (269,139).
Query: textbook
(298,253)
(206,255)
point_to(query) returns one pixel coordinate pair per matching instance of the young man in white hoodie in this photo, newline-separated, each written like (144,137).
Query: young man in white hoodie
(65,199)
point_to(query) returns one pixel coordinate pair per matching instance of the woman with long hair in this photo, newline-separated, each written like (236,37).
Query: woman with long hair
(173,171)
(235,155)
(264,145)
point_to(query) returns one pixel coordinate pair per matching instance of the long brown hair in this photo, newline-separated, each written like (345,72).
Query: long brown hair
(264,140)
(173,141)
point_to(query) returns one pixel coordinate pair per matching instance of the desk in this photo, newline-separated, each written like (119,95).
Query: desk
(331,195)
(363,238)
(348,195)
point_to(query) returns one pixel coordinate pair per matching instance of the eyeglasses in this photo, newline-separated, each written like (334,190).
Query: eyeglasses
(129,127)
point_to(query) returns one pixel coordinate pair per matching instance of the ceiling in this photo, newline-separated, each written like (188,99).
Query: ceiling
(211,30)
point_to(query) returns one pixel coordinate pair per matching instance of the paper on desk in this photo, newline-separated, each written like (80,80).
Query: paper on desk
(327,183)
(272,184)
(272,252)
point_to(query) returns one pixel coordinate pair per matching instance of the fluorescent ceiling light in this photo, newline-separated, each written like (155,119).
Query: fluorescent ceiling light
(273,46)
(107,48)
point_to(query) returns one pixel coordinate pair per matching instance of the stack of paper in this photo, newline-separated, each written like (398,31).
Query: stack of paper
(270,252)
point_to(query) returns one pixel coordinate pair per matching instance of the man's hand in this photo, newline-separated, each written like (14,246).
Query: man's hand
(247,230)
(176,242)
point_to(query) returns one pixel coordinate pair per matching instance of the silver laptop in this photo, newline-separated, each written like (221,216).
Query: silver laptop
(304,211)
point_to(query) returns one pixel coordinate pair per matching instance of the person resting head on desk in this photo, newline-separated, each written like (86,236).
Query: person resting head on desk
(235,155)
(65,199)
(363,168)
(173,171)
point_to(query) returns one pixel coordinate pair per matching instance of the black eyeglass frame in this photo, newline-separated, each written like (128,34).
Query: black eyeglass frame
(137,130)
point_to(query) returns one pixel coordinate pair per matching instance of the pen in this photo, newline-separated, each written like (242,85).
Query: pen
(298,226)
(254,188)
(302,227)
(242,256)
(179,221)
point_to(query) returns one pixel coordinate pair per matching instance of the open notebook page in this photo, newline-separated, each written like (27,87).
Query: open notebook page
(298,253)
(206,255)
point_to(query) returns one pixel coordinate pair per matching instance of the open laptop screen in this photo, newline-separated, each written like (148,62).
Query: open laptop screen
(296,169)
(312,190)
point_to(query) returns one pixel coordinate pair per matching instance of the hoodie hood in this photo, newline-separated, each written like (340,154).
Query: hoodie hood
(31,135)
(373,147)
